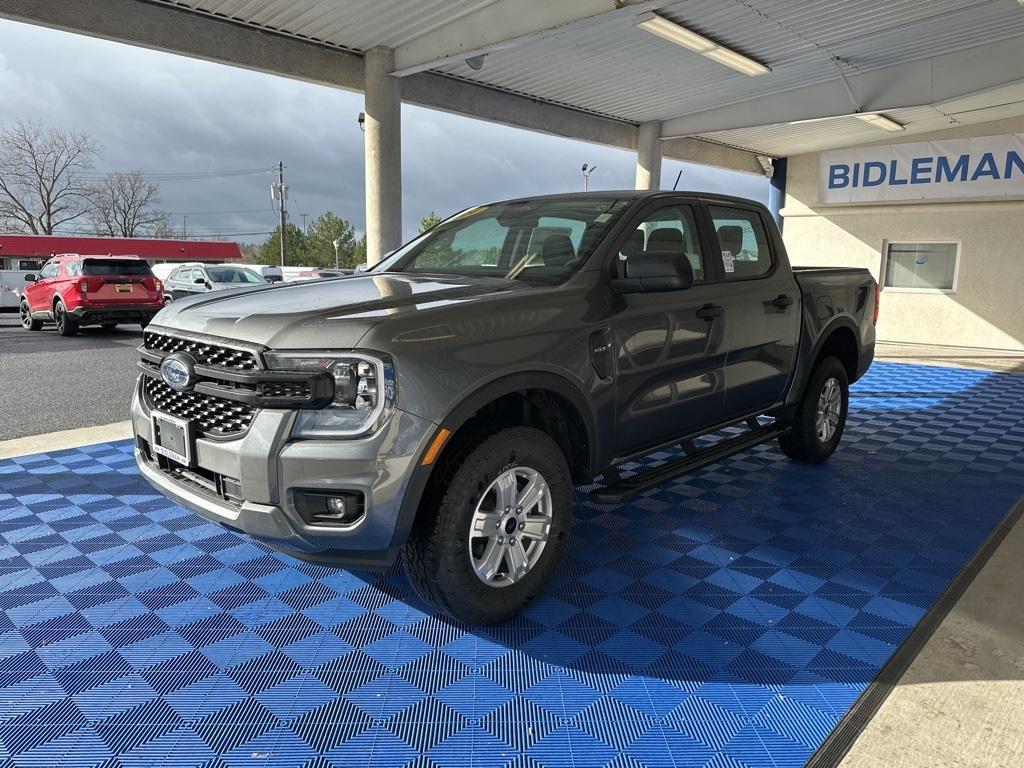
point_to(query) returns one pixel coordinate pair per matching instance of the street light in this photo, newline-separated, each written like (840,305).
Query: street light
(337,244)
(587,170)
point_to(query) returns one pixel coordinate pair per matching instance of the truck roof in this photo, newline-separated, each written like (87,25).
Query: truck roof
(635,194)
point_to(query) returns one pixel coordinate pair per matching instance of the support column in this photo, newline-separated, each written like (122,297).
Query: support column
(777,191)
(648,156)
(383,150)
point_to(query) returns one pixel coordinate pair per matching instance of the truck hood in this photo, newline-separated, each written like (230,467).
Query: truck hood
(335,312)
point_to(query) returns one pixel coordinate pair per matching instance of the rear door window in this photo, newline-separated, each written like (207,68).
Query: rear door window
(672,230)
(116,267)
(742,241)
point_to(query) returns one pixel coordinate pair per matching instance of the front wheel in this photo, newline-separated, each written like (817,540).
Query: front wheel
(488,538)
(820,418)
(66,324)
(27,321)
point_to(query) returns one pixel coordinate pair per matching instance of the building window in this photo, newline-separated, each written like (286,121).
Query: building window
(922,266)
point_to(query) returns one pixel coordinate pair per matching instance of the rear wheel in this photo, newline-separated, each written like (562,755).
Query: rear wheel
(27,321)
(66,324)
(820,419)
(488,540)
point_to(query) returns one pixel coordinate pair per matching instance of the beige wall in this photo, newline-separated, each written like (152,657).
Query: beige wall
(987,309)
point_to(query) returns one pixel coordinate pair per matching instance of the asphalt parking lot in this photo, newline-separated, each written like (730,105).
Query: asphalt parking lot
(50,383)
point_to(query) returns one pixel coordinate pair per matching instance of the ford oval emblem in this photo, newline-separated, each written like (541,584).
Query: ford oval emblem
(177,372)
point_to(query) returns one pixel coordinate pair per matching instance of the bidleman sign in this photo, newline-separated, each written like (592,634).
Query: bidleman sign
(979,167)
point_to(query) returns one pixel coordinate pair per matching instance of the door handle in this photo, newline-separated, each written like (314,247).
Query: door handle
(781,301)
(710,311)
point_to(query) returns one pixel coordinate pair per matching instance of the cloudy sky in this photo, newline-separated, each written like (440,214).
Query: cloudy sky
(164,114)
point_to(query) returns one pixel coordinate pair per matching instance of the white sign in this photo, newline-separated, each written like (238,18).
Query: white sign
(983,166)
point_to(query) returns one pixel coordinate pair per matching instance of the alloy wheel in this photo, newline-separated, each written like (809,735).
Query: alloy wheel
(826,420)
(510,527)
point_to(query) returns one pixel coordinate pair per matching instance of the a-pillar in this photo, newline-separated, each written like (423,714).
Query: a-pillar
(648,156)
(383,142)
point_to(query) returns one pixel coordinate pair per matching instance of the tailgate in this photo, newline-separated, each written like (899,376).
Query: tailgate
(122,290)
(120,281)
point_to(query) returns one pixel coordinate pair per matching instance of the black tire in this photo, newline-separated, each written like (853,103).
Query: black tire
(437,556)
(28,322)
(803,442)
(66,325)
(108,326)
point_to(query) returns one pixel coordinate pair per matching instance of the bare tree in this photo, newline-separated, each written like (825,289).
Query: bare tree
(43,176)
(123,204)
(163,228)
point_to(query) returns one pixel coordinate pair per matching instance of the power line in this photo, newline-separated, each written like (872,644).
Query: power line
(185,175)
(220,213)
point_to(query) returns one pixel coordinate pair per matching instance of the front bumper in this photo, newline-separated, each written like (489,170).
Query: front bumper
(246,483)
(134,313)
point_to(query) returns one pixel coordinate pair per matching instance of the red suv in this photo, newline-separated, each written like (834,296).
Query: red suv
(73,290)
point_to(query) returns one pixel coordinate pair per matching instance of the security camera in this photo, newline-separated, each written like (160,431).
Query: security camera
(362,121)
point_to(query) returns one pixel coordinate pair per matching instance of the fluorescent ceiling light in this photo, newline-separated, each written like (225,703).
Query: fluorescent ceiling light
(880,121)
(679,35)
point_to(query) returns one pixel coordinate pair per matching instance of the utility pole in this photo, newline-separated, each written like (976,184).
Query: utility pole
(304,230)
(279,193)
(184,227)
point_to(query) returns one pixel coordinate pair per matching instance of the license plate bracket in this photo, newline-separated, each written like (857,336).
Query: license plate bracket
(173,438)
(123,287)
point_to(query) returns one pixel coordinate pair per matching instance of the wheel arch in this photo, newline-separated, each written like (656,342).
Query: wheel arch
(545,400)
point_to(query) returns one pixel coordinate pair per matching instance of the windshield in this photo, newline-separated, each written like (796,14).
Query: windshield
(233,275)
(116,267)
(542,242)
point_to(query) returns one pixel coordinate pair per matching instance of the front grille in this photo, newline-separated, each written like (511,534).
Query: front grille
(204,353)
(285,389)
(212,416)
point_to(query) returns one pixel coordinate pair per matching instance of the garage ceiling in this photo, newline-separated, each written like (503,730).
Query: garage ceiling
(601,63)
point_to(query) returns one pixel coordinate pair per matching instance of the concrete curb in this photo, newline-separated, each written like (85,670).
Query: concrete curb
(70,438)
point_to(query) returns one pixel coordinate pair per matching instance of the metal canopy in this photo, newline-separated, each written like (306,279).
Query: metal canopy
(590,56)
(926,63)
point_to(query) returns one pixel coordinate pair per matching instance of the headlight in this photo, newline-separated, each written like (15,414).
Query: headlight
(364,392)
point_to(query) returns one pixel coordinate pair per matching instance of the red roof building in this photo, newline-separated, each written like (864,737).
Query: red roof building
(44,246)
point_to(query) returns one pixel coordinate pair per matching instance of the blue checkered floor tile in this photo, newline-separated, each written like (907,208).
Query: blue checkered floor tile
(728,619)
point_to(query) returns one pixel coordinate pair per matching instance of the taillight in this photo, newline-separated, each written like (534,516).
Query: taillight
(83,285)
(878,299)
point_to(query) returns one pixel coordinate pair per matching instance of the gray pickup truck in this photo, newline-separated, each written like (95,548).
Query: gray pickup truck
(442,406)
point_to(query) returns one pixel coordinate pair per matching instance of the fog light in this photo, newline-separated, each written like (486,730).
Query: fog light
(330,509)
(336,507)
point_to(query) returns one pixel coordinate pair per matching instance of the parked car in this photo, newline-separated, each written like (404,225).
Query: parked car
(73,290)
(441,406)
(192,279)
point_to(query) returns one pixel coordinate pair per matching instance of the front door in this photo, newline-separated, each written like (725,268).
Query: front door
(762,302)
(40,294)
(670,347)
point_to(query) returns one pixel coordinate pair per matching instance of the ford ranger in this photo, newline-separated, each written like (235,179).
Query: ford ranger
(440,407)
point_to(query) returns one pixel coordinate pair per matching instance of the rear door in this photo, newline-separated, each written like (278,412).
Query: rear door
(114,282)
(762,301)
(669,347)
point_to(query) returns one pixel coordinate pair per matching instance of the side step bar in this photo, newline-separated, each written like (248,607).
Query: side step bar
(621,489)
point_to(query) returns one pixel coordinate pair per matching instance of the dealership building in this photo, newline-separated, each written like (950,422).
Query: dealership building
(937,217)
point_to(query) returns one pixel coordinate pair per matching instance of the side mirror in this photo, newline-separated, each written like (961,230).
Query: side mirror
(653,272)
(199,280)
(30,278)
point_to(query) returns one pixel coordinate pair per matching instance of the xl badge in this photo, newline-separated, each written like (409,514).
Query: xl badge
(177,372)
